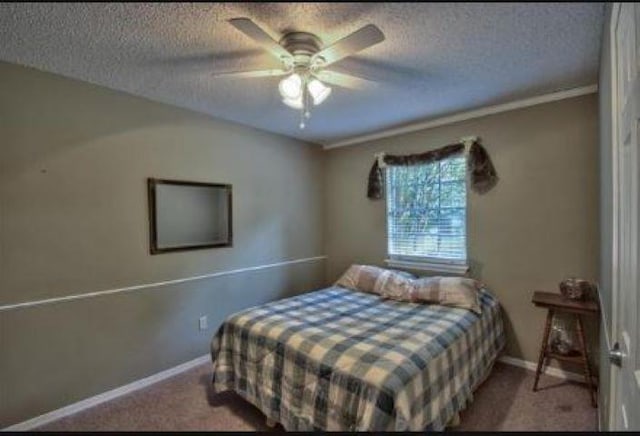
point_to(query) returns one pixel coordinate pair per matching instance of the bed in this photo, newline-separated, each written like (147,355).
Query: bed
(343,360)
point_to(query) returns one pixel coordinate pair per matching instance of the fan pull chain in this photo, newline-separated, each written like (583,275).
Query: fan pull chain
(304,113)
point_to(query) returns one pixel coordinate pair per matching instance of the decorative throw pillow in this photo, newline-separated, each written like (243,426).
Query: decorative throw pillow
(398,285)
(405,274)
(448,291)
(369,278)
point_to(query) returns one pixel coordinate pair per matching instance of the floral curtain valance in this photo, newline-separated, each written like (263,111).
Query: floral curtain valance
(482,174)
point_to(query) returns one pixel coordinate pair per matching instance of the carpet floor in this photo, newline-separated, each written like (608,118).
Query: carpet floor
(504,402)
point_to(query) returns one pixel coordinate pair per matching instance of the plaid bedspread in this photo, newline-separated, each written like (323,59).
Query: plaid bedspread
(337,359)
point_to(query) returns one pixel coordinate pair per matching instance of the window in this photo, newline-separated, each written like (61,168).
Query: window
(426,214)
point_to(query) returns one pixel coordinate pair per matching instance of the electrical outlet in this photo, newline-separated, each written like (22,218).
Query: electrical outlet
(203,322)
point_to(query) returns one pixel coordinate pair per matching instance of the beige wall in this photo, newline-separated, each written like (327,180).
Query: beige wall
(74,159)
(537,226)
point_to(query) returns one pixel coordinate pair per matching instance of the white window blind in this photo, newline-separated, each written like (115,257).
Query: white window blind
(426,211)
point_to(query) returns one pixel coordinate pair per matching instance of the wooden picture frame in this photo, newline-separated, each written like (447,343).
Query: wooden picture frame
(181,212)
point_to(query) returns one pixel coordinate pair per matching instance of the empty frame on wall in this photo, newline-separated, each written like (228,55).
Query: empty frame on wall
(188,215)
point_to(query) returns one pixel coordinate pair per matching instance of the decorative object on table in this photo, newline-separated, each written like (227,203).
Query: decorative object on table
(559,339)
(555,302)
(574,288)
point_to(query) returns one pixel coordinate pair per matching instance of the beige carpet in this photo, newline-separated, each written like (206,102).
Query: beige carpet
(185,402)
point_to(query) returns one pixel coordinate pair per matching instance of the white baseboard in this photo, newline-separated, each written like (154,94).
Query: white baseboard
(547,370)
(147,381)
(106,396)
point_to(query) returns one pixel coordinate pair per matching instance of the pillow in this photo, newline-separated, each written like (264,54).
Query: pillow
(448,291)
(398,285)
(375,280)
(405,274)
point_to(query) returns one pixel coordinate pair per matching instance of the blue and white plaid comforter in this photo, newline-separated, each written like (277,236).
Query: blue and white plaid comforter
(337,359)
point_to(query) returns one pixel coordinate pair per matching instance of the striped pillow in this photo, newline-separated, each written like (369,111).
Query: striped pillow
(375,280)
(447,291)
(396,285)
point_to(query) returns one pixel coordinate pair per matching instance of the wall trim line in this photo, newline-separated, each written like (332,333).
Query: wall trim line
(468,115)
(547,370)
(79,296)
(79,406)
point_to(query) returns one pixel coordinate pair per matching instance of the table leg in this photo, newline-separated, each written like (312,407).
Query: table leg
(543,347)
(585,360)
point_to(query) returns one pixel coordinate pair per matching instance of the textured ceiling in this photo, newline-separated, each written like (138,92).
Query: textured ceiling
(437,58)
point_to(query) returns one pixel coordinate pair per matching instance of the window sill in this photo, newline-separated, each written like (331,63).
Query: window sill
(449,268)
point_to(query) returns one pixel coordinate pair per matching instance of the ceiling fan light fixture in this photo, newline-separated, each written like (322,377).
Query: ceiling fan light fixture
(291,87)
(303,55)
(319,91)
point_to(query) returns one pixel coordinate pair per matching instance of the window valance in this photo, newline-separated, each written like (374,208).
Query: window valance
(481,172)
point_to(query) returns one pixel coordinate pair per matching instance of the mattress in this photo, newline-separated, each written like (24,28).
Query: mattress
(342,360)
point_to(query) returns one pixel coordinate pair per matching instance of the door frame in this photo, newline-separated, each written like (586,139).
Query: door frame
(615,173)
(615,373)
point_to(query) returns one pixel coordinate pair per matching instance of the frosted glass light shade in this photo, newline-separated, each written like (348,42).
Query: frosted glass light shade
(295,103)
(319,91)
(291,87)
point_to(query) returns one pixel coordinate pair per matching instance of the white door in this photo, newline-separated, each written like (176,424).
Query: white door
(626,374)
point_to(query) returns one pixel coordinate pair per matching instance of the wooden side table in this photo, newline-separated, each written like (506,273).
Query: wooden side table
(557,303)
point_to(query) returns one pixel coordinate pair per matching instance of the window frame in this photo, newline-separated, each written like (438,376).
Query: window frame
(429,263)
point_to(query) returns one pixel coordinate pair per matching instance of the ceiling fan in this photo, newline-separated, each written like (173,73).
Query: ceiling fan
(304,61)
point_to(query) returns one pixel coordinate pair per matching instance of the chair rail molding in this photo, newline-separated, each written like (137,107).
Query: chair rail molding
(78,296)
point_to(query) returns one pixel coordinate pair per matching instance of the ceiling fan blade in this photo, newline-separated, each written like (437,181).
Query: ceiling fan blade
(345,80)
(359,40)
(254,73)
(253,31)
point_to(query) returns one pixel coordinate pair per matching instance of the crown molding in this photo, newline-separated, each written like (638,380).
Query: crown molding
(463,116)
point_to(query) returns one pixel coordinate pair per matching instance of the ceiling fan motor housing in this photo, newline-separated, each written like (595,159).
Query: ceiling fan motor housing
(301,45)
